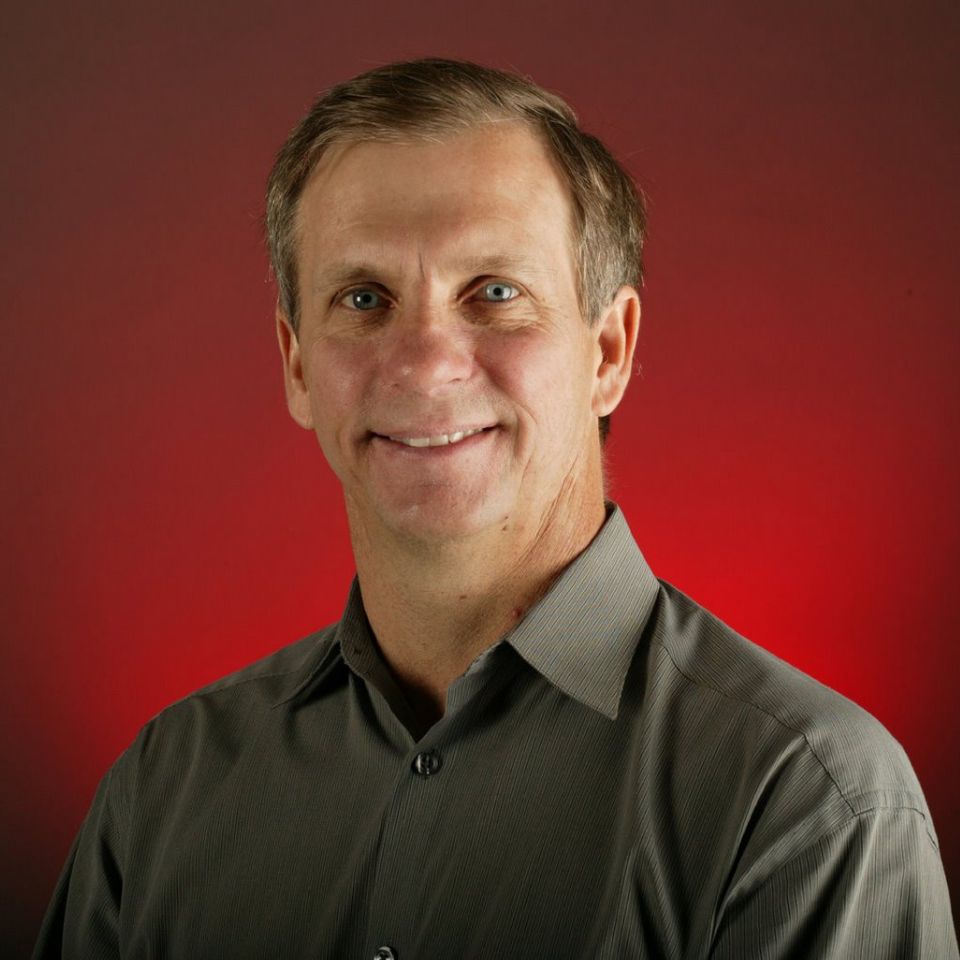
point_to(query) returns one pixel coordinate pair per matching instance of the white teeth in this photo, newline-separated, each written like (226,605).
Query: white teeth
(439,441)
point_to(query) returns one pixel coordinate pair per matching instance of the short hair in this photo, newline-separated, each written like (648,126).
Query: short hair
(432,99)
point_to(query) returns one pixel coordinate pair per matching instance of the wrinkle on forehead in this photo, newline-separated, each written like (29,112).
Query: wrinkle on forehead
(482,200)
(523,138)
(493,129)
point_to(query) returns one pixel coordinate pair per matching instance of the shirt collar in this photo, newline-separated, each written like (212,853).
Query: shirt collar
(583,633)
(327,653)
(580,636)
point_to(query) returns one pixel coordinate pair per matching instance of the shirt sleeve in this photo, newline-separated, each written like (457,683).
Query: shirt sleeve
(82,920)
(874,888)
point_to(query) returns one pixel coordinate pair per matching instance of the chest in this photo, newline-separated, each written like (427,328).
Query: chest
(317,841)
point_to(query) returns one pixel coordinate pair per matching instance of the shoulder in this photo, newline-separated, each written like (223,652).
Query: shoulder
(223,715)
(736,677)
(766,763)
(770,759)
(268,677)
(266,680)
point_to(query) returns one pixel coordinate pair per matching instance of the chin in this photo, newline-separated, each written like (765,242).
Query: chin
(440,517)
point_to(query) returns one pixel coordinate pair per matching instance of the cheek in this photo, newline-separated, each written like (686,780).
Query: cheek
(335,380)
(547,380)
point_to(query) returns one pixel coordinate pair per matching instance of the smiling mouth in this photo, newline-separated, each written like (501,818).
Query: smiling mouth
(440,440)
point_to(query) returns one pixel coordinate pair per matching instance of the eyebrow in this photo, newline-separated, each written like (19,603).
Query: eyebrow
(336,274)
(499,263)
(339,273)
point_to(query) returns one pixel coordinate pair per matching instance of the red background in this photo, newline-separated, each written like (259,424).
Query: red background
(788,456)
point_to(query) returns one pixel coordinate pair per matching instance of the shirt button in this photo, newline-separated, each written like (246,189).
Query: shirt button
(427,763)
(385,953)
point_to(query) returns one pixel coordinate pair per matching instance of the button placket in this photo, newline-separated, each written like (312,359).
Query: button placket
(412,813)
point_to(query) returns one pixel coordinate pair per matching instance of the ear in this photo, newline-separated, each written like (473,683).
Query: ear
(298,397)
(615,336)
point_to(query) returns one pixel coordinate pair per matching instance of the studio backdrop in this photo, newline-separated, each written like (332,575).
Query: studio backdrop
(787,453)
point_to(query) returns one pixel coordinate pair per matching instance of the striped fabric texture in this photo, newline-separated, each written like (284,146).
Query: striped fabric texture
(622,776)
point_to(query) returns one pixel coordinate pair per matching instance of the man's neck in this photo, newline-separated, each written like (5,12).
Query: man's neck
(433,611)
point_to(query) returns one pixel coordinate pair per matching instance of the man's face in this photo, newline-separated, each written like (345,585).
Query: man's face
(442,359)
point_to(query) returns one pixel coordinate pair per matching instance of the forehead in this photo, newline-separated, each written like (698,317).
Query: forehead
(491,186)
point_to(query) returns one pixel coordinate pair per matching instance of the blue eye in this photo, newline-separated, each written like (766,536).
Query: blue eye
(363,299)
(499,292)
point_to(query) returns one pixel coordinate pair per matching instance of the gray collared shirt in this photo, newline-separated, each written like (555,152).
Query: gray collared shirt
(621,776)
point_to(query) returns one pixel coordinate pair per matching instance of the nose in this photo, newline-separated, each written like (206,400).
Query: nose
(427,351)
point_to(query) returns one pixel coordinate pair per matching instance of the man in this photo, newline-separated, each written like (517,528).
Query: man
(516,742)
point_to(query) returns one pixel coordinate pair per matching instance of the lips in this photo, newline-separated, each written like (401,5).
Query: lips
(441,440)
(422,438)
